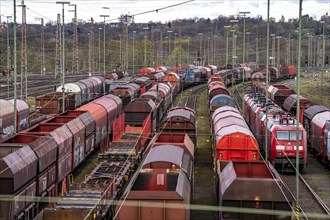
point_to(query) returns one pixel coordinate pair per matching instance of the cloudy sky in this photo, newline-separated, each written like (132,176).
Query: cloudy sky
(48,9)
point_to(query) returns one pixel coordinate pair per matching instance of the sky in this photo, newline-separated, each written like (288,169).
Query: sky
(48,9)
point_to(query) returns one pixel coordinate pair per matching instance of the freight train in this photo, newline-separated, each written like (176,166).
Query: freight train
(120,160)
(38,160)
(242,181)
(75,95)
(280,130)
(313,117)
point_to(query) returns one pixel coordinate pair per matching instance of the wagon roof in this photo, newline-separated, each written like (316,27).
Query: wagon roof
(246,180)
(177,186)
(313,110)
(172,154)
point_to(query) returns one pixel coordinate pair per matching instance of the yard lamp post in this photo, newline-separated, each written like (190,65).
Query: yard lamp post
(104,16)
(323,58)
(234,57)
(8,57)
(63,55)
(244,13)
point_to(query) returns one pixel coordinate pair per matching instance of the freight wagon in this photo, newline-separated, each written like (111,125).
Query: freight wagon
(180,120)
(252,186)
(162,188)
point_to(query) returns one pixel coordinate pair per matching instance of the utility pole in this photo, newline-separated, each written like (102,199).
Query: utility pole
(244,13)
(180,49)
(257,52)
(214,49)
(99,63)
(309,52)
(175,54)
(8,57)
(58,46)
(161,49)
(208,47)
(233,52)
(23,54)
(293,58)
(91,56)
(133,55)
(200,48)
(120,51)
(267,80)
(15,70)
(145,45)
(234,57)
(42,47)
(93,60)
(278,51)
(227,37)
(75,52)
(289,51)
(273,50)
(247,45)
(188,53)
(298,113)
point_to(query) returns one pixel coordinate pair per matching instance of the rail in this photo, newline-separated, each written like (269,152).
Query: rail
(37,85)
(314,200)
(309,209)
(192,97)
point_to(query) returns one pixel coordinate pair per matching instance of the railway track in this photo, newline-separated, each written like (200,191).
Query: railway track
(238,92)
(314,189)
(192,97)
(36,85)
(204,195)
